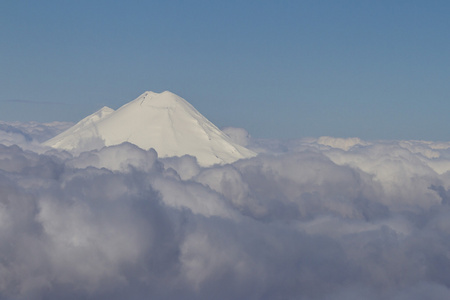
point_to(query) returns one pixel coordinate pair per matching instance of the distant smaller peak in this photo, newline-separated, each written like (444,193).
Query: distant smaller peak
(106,109)
(102,112)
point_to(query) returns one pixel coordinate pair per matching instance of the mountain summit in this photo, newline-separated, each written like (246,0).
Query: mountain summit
(163,121)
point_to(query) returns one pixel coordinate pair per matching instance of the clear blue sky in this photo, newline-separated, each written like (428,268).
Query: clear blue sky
(280,69)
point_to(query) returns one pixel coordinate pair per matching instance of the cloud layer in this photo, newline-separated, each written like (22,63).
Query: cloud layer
(308,219)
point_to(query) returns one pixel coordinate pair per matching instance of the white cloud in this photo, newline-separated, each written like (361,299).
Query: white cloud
(29,135)
(239,135)
(308,219)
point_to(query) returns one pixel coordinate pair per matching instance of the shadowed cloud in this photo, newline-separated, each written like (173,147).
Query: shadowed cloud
(318,221)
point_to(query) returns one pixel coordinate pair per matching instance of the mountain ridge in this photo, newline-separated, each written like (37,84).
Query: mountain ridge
(163,121)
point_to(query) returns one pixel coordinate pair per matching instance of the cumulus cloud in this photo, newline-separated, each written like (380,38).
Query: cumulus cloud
(307,219)
(30,134)
(239,135)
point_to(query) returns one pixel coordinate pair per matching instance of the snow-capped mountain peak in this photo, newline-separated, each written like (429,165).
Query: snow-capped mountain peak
(163,121)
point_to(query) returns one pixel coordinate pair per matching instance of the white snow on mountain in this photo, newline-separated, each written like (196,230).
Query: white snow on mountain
(162,121)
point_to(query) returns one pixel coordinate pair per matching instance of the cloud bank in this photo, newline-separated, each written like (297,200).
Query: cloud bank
(311,219)
(29,135)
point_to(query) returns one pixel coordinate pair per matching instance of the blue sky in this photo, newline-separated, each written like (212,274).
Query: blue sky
(371,69)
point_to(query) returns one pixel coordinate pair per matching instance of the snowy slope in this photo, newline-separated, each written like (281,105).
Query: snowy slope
(163,121)
(82,136)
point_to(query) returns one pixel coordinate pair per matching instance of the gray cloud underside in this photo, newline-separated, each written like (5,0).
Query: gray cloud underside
(310,219)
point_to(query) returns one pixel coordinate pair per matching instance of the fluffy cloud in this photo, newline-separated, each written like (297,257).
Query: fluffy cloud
(29,135)
(239,135)
(307,219)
